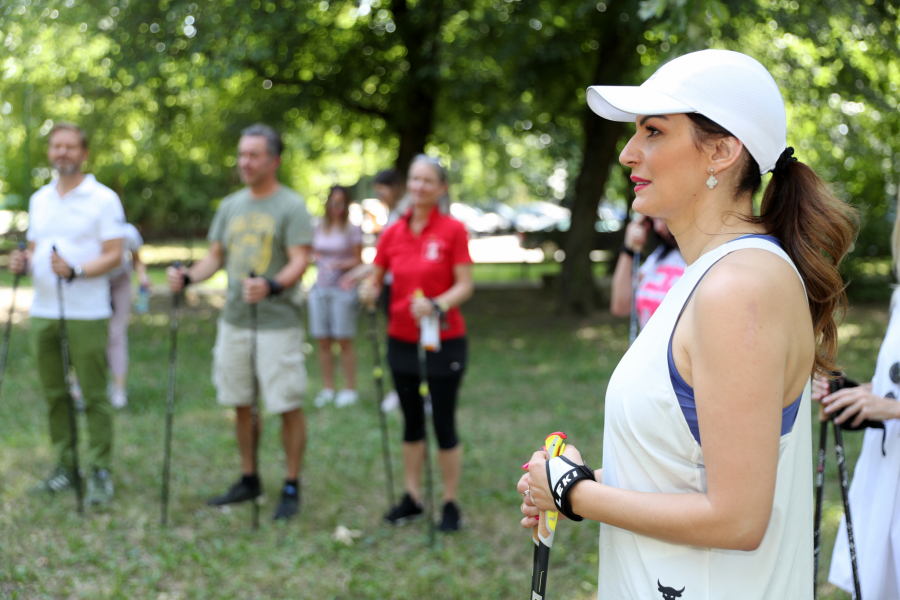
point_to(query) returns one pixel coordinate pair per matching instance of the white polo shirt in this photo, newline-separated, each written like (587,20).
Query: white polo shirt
(78,224)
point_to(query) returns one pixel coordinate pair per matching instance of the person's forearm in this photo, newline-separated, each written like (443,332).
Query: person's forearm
(620,302)
(458,293)
(101,265)
(204,268)
(690,518)
(292,272)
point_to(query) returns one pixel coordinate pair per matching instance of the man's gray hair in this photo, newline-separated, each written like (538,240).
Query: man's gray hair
(273,140)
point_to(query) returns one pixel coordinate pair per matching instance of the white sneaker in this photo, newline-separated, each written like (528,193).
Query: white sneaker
(346,397)
(324,397)
(118,398)
(391,401)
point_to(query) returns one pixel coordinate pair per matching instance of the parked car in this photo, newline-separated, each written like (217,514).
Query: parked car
(609,228)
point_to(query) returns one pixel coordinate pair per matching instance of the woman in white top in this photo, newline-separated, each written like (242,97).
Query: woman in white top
(875,489)
(726,358)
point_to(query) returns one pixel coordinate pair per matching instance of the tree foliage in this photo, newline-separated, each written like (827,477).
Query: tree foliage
(496,87)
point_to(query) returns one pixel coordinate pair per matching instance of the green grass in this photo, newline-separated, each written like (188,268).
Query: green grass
(530,373)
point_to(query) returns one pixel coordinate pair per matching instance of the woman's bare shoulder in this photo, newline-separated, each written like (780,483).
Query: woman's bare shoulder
(751,281)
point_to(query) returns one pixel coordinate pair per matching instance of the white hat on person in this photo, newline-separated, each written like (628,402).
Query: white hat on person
(731,88)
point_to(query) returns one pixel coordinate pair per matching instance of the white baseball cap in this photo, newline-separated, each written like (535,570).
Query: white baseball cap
(730,88)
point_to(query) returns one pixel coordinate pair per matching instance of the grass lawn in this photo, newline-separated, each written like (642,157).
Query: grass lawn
(531,372)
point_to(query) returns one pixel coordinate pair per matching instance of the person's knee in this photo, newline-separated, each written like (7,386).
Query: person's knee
(325,344)
(446,436)
(292,418)
(413,432)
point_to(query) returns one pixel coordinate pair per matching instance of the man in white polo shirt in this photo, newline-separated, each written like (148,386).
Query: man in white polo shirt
(75,232)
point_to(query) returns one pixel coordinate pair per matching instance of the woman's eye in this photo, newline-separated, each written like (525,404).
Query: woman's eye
(652,131)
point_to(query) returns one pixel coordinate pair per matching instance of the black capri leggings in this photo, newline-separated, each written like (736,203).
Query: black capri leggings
(443,383)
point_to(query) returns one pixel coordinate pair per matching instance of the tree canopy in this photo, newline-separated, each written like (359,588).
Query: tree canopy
(495,87)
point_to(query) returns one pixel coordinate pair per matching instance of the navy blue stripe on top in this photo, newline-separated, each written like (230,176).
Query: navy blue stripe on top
(685,393)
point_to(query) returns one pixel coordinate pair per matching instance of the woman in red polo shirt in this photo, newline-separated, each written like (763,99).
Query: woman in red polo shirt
(428,251)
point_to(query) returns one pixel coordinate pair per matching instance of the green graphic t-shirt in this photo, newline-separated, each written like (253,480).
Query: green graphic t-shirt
(255,236)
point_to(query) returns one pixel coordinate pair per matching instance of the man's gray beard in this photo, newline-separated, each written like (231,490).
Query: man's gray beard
(67,170)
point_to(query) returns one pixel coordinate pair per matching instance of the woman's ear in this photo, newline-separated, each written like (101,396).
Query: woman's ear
(725,152)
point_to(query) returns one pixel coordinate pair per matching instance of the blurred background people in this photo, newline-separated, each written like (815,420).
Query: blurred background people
(333,303)
(120,295)
(426,251)
(657,275)
(75,231)
(263,229)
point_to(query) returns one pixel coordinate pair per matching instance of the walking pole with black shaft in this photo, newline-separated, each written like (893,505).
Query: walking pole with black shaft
(254,406)
(170,404)
(378,371)
(545,530)
(820,488)
(9,320)
(73,425)
(425,393)
(842,473)
(635,280)
(833,386)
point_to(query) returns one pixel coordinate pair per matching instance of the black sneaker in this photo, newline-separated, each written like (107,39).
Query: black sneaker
(289,504)
(407,510)
(242,491)
(451,520)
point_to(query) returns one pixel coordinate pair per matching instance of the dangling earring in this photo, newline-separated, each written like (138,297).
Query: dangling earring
(712,181)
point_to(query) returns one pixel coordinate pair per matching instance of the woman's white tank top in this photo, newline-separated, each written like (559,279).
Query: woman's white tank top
(648,447)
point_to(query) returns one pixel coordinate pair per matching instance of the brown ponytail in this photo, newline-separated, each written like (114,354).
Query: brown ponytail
(816,230)
(814,227)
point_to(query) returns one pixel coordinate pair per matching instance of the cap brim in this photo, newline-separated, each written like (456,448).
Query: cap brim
(624,103)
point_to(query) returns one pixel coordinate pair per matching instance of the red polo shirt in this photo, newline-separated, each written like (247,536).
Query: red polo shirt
(422,262)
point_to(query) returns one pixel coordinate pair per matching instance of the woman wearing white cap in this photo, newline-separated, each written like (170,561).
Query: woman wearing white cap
(706,486)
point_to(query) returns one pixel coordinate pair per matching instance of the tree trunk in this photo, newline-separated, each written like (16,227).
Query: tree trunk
(412,116)
(616,63)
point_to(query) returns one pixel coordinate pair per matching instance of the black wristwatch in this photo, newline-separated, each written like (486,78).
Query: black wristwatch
(275,287)
(626,250)
(441,306)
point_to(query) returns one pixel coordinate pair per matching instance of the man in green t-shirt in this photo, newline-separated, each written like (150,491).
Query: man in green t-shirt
(262,229)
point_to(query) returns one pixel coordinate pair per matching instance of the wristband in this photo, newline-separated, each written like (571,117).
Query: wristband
(440,306)
(626,250)
(275,288)
(563,475)
(187,279)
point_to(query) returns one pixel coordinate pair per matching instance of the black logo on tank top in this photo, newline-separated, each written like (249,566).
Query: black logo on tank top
(667,592)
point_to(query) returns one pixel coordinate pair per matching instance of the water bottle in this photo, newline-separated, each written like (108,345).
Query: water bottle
(142,306)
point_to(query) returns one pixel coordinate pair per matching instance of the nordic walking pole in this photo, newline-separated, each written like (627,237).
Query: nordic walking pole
(545,530)
(9,320)
(73,424)
(820,487)
(170,404)
(425,392)
(842,473)
(378,371)
(254,407)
